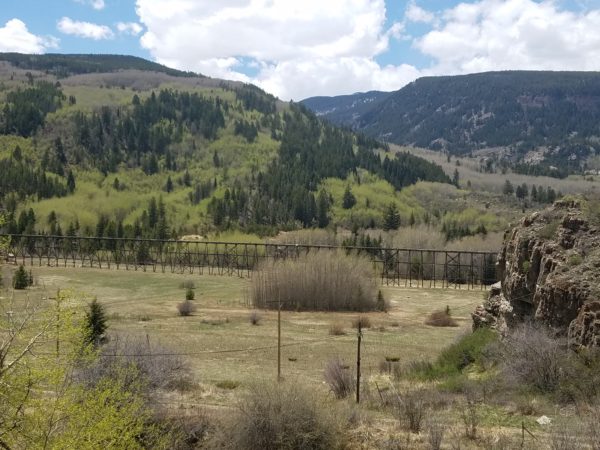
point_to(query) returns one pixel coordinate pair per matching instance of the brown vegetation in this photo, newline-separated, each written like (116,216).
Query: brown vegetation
(319,281)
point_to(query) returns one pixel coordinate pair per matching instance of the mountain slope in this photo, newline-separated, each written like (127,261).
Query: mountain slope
(541,118)
(136,152)
(62,66)
(345,109)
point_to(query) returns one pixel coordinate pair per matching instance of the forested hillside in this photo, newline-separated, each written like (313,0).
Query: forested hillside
(84,152)
(64,65)
(539,122)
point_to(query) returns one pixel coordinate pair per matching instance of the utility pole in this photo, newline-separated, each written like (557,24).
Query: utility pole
(57,300)
(358,361)
(279,339)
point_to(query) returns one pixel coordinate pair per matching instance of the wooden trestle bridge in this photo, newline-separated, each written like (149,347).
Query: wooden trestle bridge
(393,266)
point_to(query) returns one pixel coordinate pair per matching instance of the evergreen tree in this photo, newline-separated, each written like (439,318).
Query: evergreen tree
(508,188)
(349,199)
(391,218)
(322,209)
(95,323)
(169,185)
(455,178)
(71,182)
(21,279)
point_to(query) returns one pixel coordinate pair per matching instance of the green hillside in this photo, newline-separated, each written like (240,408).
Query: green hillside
(539,123)
(159,154)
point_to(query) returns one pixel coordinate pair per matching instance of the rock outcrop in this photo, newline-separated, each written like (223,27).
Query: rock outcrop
(549,268)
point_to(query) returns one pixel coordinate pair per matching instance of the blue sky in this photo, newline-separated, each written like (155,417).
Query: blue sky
(297,49)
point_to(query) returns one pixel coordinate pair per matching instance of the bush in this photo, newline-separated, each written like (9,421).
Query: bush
(280,417)
(255,318)
(21,279)
(531,356)
(186,308)
(319,281)
(435,434)
(470,418)
(154,365)
(468,350)
(340,378)
(441,319)
(189,294)
(410,409)
(337,329)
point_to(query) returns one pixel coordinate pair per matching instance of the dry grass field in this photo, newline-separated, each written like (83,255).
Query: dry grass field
(226,353)
(146,304)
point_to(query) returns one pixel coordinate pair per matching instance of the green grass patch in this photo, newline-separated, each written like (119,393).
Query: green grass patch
(455,358)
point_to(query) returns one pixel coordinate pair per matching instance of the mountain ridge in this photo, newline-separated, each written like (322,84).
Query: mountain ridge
(556,113)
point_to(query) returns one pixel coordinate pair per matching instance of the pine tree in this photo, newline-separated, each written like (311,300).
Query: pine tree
(71,182)
(323,209)
(391,218)
(349,199)
(95,323)
(508,188)
(169,185)
(21,279)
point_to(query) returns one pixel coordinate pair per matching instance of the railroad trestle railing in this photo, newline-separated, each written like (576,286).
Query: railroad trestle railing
(393,266)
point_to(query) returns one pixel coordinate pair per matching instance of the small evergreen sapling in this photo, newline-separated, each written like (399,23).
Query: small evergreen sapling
(95,323)
(21,279)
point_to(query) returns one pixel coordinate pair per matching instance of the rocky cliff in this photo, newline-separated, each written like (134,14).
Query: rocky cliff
(549,269)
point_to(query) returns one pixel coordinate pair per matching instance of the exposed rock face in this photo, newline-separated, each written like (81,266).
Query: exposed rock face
(549,269)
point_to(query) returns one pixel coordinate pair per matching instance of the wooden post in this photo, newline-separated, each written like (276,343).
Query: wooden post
(358,361)
(279,339)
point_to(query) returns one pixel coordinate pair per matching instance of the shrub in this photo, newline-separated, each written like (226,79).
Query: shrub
(319,281)
(339,378)
(21,280)
(186,308)
(410,409)
(337,329)
(435,434)
(255,318)
(282,417)
(441,319)
(363,321)
(470,418)
(469,349)
(189,294)
(535,358)
(154,365)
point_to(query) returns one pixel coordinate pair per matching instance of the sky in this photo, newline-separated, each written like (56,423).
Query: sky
(298,49)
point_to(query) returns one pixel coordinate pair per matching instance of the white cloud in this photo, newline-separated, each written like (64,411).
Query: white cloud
(96,4)
(84,29)
(131,28)
(317,47)
(414,13)
(513,34)
(15,37)
(301,48)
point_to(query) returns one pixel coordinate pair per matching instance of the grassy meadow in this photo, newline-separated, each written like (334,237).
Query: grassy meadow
(226,354)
